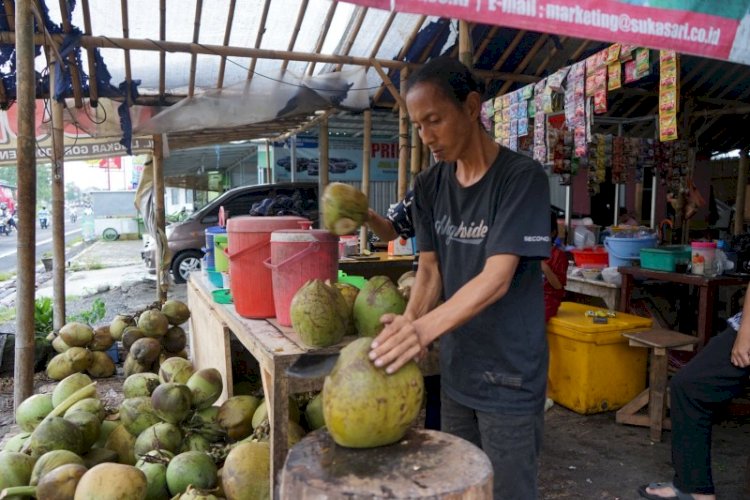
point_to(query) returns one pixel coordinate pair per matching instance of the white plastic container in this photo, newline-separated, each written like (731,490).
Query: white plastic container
(703,257)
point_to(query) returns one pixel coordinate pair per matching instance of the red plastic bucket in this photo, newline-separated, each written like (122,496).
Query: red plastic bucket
(249,247)
(298,256)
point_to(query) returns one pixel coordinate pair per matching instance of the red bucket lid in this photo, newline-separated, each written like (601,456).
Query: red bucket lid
(297,235)
(252,224)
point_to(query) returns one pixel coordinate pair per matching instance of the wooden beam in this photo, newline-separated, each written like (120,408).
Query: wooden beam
(366,152)
(23,379)
(227,37)
(162,53)
(58,203)
(322,161)
(465,49)
(304,127)
(388,83)
(402,53)
(322,36)
(358,17)
(295,32)
(525,61)
(509,50)
(543,65)
(126,34)
(259,37)
(93,86)
(383,32)
(196,36)
(577,54)
(403,139)
(159,215)
(485,43)
(75,76)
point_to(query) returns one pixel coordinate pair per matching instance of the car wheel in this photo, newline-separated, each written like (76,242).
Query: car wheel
(184,264)
(110,234)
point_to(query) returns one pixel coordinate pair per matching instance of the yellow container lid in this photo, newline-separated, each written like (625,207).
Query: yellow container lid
(572,316)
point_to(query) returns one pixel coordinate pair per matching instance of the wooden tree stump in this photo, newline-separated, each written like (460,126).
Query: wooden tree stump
(425,464)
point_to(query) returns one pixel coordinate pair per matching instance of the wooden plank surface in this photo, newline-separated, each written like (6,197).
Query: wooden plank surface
(659,337)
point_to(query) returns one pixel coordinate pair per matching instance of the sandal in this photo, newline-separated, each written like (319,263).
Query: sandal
(679,494)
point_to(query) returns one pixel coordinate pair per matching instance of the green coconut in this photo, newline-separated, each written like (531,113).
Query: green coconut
(107,427)
(206,423)
(131,366)
(15,469)
(56,433)
(262,412)
(154,466)
(153,323)
(349,292)
(60,483)
(198,494)
(17,442)
(102,339)
(236,416)
(90,426)
(145,350)
(118,325)
(59,345)
(176,369)
(172,402)
(363,406)
(314,413)
(88,405)
(68,386)
(101,365)
(379,296)
(97,456)
(140,384)
(32,410)
(161,436)
(137,414)
(247,471)
(60,367)
(176,312)
(130,335)
(206,386)
(77,334)
(195,442)
(319,314)
(50,461)
(191,468)
(110,481)
(123,443)
(345,208)
(175,339)
(79,357)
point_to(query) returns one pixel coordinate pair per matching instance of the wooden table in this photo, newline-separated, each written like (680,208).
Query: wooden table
(377,264)
(594,288)
(707,288)
(211,326)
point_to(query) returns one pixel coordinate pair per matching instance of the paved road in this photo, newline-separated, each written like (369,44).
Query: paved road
(8,247)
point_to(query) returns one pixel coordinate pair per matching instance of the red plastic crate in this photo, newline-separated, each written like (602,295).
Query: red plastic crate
(592,256)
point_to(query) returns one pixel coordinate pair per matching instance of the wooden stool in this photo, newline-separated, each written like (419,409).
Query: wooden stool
(425,464)
(659,341)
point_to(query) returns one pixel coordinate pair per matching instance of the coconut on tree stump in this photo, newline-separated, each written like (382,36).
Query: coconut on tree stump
(425,464)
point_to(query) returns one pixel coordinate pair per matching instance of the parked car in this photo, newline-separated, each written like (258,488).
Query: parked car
(187,238)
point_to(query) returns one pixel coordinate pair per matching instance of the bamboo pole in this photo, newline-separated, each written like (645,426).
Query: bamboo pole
(389,83)
(510,49)
(366,153)
(739,212)
(322,161)
(162,54)
(7,37)
(416,153)
(465,50)
(402,53)
(358,17)
(196,36)
(75,77)
(295,32)
(483,46)
(259,37)
(93,87)
(159,215)
(268,176)
(125,35)
(403,139)
(525,61)
(227,37)
(23,384)
(58,204)
(323,34)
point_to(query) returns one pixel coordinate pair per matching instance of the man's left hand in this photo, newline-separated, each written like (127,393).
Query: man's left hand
(397,344)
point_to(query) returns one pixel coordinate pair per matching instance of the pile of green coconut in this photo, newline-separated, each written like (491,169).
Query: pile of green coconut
(166,440)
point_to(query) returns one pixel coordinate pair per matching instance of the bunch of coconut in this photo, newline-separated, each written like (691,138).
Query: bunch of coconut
(155,336)
(81,348)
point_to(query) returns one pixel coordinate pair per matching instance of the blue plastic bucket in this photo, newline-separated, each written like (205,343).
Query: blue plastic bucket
(623,251)
(209,248)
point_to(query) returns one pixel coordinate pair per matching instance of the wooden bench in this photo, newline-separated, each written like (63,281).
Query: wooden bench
(655,396)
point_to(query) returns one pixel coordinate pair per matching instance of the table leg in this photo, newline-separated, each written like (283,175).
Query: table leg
(626,289)
(705,314)
(657,392)
(277,395)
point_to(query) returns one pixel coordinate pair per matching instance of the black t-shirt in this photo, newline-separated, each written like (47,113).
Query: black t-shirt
(498,360)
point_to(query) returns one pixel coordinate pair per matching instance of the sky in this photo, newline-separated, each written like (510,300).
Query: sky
(87,175)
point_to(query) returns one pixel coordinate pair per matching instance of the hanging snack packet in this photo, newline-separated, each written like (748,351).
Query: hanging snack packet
(667,128)
(629,68)
(613,53)
(614,76)
(642,63)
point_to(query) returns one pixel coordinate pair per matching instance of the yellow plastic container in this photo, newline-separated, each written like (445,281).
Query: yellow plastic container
(592,368)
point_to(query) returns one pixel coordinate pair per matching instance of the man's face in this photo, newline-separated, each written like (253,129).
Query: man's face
(444,126)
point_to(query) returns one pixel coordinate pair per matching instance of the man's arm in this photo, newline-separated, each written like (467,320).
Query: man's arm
(741,350)
(405,336)
(381,226)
